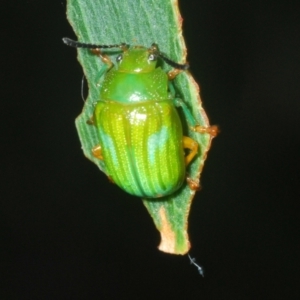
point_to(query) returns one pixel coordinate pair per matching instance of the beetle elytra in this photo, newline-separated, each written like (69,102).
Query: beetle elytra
(140,133)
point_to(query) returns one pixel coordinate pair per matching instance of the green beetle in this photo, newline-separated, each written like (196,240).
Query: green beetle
(140,133)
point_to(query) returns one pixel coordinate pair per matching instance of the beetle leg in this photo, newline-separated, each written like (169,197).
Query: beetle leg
(105,59)
(212,130)
(189,117)
(192,145)
(107,63)
(97,152)
(173,73)
(193,184)
(90,121)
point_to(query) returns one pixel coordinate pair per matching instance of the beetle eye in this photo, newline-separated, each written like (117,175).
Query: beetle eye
(152,57)
(119,58)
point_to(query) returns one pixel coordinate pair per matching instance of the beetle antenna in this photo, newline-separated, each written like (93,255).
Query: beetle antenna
(154,48)
(173,63)
(193,262)
(76,44)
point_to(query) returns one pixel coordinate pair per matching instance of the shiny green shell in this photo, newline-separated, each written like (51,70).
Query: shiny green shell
(139,129)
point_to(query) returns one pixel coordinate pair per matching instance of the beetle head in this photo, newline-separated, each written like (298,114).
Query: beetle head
(137,59)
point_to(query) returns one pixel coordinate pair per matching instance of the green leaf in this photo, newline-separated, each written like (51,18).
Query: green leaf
(141,22)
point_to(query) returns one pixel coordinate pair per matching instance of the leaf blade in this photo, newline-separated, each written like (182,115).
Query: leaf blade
(142,22)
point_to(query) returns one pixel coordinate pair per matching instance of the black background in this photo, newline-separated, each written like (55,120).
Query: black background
(67,233)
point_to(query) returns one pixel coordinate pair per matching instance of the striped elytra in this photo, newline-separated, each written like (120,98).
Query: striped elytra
(141,145)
